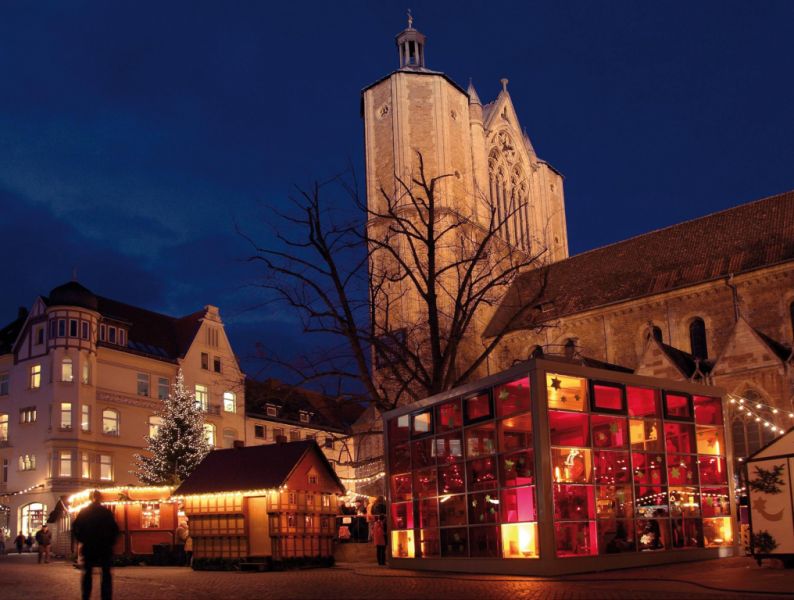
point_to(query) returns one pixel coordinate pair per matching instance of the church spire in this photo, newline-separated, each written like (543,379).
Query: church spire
(411,46)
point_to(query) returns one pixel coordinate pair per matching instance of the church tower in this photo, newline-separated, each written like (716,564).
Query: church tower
(418,110)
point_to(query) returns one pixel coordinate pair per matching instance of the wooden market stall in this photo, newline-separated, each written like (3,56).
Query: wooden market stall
(771,486)
(275,502)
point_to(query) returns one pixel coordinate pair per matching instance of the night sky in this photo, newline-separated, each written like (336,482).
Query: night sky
(133,135)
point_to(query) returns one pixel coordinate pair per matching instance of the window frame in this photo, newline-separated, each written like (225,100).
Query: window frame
(229,396)
(109,464)
(34,381)
(65,410)
(65,458)
(624,403)
(690,404)
(139,379)
(117,419)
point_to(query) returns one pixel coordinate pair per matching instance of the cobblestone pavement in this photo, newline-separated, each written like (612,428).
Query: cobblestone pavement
(22,577)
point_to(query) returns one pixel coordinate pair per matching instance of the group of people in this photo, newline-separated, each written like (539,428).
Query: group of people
(43,539)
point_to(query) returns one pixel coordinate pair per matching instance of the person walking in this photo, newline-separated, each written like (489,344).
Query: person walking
(96,529)
(379,538)
(29,542)
(44,540)
(19,541)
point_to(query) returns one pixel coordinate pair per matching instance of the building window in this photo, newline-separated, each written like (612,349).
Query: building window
(205,361)
(110,421)
(73,328)
(202,397)
(86,373)
(112,335)
(85,465)
(106,467)
(3,384)
(294,435)
(61,327)
(329,442)
(35,377)
(216,364)
(155,423)
(697,338)
(162,388)
(39,335)
(259,431)
(150,515)
(143,384)
(278,433)
(53,328)
(212,337)
(313,479)
(304,416)
(27,414)
(65,463)
(27,462)
(85,418)
(84,330)
(656,332)
(229,435)
(326,500)
(67,370)
(102,329)
(292,498)
(271,411)
(3,428)
(66,416)
(122,337)
(34,515)
(209,433)
(229,402)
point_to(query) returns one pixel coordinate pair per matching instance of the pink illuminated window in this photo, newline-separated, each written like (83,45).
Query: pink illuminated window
(682,470)
(517,468)
(428,513)
(482,474)
(483,508)
(518,505)
(478,407)
(449,447)
(712,470)
(512,397)
(677,406)
(684,501)
(401,487)
(568,428)
(572,465)
(484,542)
(402,515)
(454,542)
(648,468)
(422,454)
(609,432)
(708,411)
(480,440)
(515,433)
(612,467)
(573,502)
(452,510)
(425,483)
(608,398)
(449,416)
(451,479)
(576,539)
(614,502)
(714,502)
(679,438)
(643,402)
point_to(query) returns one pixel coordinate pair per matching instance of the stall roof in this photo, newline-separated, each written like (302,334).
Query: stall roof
(780,446)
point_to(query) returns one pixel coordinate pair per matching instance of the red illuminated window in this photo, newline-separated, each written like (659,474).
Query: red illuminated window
(484,542)
(573,502)
(648,468)
(515,433)
(614,502)
(451,479)
(653,534)
(449,447)
(686,533)
(402,515)
(400,458)
(429,544)
(679,438)
(612,467)
(482,474)
(401,487)
(708,411)
(452,510)
(643,402)
(677,406)
(512,397)
(517,468)
(483,508)
(422,454)
(607,398)
(681,469)
(478,407)
(576,539)
(650,501)
(568,428)
(449,416)
(480,440)
(609,432)
(428,513)
(518,505)
(712,470)
(425,483)
(714,502)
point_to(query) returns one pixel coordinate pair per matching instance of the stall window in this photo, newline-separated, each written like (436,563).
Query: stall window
(478,407)
(449,416)
(566,392)
(606,397)
(643,402)
(422,423)
(150,515)
(678,406)
(708,411)
(512,397)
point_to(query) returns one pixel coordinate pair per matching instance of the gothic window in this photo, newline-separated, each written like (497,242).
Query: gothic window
(509,190)
(656,332)
(697,338)
(750,435)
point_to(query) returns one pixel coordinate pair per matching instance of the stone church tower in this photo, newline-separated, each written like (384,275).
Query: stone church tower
(415,109)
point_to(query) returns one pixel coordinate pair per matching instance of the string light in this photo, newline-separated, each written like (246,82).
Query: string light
(354,480)
(25,491)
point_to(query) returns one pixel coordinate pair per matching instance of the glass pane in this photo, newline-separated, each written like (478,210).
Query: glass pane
(678,406)
(612,467)
(714,502)
(428,513)
(568,429)
(712,470)
(449,416)
(478,407)
(681,470)
(653,534)
(563,391)
(609,432)
(518,505)
(512,397)
(643,402)
(679,438)
(576,539)
(484,541)
(482,474)
(452,510)
(451,479)
(399,429)
(400,458)
(717,532)
(708,411)
(401,487)
(425,483)
(650,501)
(423,423)
(615,536)
(515,433)
(648,468)
(517,468)
(571,465)
(686,533)
(710,441)
(449,447)
(429,542)
(402,515)
(645,435)
(607,397)
(402,544)
(454,542)
(480,440)
(520,540)
(573,502)
(684,502)
(422,454)
(614,502)
(483,508)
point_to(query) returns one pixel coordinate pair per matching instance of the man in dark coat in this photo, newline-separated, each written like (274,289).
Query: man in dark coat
(96,529)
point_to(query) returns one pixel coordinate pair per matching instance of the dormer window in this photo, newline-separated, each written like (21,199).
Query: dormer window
(271,411)
(122,337)
(304,416)
(102,333)
(112,335)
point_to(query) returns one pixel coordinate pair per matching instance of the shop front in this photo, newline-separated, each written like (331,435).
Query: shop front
(552,467)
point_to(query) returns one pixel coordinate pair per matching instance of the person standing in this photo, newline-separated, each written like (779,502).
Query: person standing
(19,541)
(44,540)
(379,539)
(96,529)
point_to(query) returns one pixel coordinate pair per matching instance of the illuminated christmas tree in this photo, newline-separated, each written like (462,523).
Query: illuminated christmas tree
(179,444)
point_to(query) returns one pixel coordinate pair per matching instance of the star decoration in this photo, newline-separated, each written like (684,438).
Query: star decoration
(613,427)
(675,472)
(503,394)
(556,383)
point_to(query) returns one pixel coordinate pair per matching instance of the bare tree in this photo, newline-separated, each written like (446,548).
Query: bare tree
(404,285)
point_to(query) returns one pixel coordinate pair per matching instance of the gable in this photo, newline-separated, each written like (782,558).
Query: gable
(314,463)
(782,446)
(745,349)
(655,362)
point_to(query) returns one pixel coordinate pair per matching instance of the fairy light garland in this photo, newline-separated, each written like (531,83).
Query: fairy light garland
(369,479)
(25,491)
(748,409)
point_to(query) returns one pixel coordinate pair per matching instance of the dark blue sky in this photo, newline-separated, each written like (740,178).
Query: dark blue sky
(134,134)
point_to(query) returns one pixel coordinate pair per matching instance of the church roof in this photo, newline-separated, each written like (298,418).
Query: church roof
(733,241)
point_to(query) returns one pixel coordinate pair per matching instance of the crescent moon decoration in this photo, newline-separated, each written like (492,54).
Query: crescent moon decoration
(760,507)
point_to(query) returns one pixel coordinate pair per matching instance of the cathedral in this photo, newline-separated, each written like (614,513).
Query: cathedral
(709,300)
